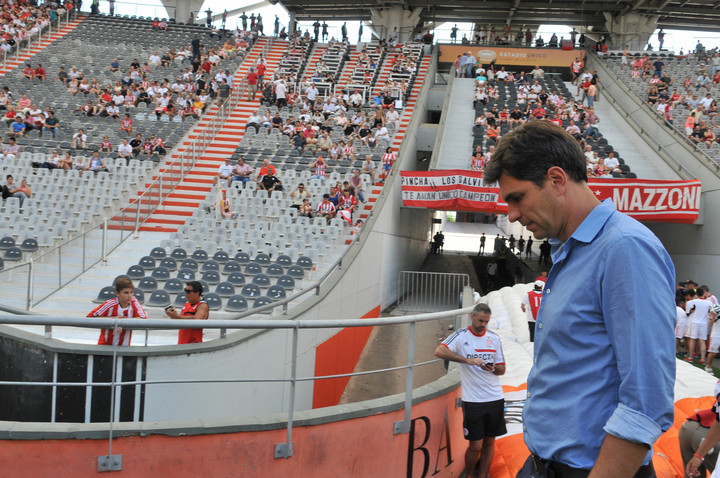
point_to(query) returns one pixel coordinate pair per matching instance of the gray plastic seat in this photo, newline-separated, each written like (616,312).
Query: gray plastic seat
(186,275)
(147,284)
(305,262)
(253,268)
(7,242)
(179,301)
(221,257)
(160,273)
(29,245)
(139,295)
(276,292)
(261,280)
(169,263)
(263,259)
(236,278)
(106,293)
(136,272)
(241,257)
(210,265)
(284,260)
(213,301)
(250,291)
(296,272)
(189,263)
(211,277)
(148,263)
(260,301)
(200,255)
(159,298)
(236,303)
(225,289)
(231,266)
(121,276)
(174,285)
(179,254)
(275,270)
(158,253)
(287,282)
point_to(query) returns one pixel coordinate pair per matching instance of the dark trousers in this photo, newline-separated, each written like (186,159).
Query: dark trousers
(536,467)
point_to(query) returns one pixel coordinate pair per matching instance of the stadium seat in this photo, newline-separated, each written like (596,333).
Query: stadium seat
(213,301)
(139,295)
(29,245)
(287,282)
(160,273)
(186,275)
(147,263)
(236,278)
(169,263)
(179,301)
(136,272)
(275,270)
(7,242)
(296,272)
(211,277)
(242,257)
(263,259)
(260,301)
(200,255)
(284,260)
(205,286)
(305,262)
(225,289)
(276,292)
(158,253)
(261,280)
(147,284)
(174,286)
(231,266)
(121,276)
(189,263)
(236,303)
(106,293)
(253,268)
(179,254)
(221,257)
(159,298)
(250,291)
(210,265)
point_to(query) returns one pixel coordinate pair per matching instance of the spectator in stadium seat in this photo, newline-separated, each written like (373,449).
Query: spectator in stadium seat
(137,144)
(270,183)
(225,172)
(51,123)
(299,195)
(10,151)
(96,164)
(125,150)
(326,208)
(17,128)
(28,72)
(79,140)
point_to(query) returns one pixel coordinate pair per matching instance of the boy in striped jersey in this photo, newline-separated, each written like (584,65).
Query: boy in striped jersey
(125,305)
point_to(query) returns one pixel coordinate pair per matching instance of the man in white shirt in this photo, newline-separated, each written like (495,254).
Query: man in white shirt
(392,116)
(698,310)
(225,171)
(356,99)
(479,353)
(280,94)
(311,93)
(154,59)
(707,101)
(124,149)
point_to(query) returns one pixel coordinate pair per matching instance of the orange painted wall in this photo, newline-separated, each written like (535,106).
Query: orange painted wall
(363,447)
(337,355)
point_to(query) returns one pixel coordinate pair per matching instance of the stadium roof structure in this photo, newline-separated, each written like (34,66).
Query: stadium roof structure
(673,14)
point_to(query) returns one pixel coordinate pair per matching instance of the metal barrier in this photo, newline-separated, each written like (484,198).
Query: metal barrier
(35,41)
(92,246)
(430,291)
(282,450)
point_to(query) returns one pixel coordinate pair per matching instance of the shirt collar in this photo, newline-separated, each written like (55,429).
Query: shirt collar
(594,222)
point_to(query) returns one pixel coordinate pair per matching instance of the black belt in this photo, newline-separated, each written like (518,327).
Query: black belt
(555,469)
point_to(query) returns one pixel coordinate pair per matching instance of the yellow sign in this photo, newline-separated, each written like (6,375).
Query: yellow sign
(529,57)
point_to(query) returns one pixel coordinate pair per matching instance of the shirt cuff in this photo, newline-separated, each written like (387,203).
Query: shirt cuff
(631,425)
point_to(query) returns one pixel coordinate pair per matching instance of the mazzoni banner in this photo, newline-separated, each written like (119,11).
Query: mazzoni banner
(643,199)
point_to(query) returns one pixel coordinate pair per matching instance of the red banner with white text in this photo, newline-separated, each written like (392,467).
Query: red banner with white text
(643,199)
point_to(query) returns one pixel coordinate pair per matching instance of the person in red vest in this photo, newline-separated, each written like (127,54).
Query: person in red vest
(194,309)
(532,300)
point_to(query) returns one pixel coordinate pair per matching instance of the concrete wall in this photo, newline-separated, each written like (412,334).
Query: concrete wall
(693,247)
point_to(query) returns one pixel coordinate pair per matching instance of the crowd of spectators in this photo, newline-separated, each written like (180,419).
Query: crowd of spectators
(534,103)
(506,36)
(21,21)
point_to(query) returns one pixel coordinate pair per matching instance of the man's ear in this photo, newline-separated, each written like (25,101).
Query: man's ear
(557,179)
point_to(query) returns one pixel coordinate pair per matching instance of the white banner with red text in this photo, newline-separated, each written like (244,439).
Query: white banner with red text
(643,199)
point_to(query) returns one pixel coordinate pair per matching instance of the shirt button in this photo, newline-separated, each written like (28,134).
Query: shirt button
(529,394)
(540,326)
(524,428)
(547,291)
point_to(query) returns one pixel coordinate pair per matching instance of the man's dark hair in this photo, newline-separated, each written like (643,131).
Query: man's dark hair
(482,309)
(196,286)
(528,151)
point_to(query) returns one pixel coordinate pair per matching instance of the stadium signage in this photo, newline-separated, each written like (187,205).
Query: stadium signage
(522,57)
(643,199)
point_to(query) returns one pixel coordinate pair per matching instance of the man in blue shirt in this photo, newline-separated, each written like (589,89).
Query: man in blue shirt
(600,392)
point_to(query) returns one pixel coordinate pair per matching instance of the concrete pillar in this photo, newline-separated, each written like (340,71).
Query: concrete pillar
(385,19)
(630,29)
(180,9)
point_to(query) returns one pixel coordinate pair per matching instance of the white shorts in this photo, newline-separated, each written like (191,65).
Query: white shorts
(680,329)
(697,331)
(624,60)
(714,345)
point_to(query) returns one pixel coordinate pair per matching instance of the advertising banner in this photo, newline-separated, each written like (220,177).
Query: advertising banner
(643,199)
(527,57)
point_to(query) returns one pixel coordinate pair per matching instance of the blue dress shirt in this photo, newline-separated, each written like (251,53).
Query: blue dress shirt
(604,358)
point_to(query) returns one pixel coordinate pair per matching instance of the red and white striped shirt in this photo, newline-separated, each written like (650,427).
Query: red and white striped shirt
(111,308)
(388,158)
(349,150)
(126,123)
(478,162)
(347,202)
(326,207)
(320,169)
